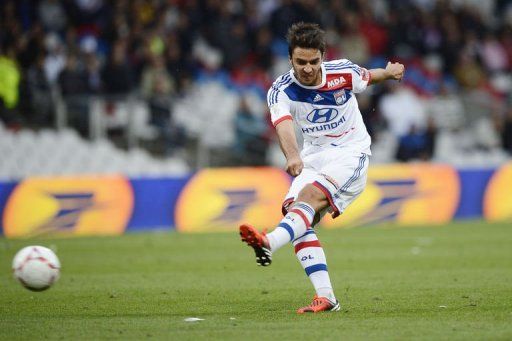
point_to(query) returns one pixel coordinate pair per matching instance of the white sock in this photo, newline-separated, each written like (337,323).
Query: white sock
(311,256)
(294,224)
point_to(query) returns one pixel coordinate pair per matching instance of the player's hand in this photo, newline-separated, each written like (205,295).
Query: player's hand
(395,71)
(294,166)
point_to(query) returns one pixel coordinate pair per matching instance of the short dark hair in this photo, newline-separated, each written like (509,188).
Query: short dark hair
(305,35)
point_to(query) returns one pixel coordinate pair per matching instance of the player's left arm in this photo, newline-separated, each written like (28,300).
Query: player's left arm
(392,71)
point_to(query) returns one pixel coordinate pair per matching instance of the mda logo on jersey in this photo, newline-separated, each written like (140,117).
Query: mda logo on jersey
(222,199)
(336,82)
(69,205)
(405,194)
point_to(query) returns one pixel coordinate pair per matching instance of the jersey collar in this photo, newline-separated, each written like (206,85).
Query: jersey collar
(322,83)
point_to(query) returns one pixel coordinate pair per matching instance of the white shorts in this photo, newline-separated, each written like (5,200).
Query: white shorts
(340,173)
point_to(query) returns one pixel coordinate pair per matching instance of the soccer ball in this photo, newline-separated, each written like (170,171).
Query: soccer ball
(36,267)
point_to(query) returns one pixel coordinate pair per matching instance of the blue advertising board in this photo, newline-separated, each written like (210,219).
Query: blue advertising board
(219,199)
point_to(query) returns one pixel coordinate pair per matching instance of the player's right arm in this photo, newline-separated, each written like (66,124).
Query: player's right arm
(280,114)
(288,142)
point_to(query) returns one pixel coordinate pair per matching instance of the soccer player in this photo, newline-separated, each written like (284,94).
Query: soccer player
(330,172)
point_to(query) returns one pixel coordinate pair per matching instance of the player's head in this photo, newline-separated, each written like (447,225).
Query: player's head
(306,48)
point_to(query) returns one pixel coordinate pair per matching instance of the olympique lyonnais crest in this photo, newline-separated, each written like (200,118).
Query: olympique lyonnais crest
(340,97)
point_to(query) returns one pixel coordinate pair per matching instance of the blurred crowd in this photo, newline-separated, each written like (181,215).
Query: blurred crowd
(458,56)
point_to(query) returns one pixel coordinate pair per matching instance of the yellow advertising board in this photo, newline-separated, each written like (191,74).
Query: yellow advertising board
(406,194)
(69,206)
(498,195)
(222,199)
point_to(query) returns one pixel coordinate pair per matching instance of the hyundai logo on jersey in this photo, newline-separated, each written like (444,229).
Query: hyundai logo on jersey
(324,126)
(322,115)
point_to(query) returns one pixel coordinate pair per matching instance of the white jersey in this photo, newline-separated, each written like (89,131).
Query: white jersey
(327,114)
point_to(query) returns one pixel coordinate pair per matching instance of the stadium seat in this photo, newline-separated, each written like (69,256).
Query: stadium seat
(49,153)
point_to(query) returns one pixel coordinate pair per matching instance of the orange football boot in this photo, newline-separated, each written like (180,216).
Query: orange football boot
(320,304)
(258,241)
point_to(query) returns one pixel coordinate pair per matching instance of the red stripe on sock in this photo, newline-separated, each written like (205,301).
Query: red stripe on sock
(303,216)
(300,246)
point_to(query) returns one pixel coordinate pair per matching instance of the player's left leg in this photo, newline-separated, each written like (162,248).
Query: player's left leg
(311,256)
(342,181)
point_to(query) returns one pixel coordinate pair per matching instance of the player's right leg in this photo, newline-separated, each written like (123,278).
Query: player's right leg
(294,224)
(258,241)
(285,230)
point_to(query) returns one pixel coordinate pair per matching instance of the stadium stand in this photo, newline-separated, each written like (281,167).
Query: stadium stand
(50,152)
(186,80)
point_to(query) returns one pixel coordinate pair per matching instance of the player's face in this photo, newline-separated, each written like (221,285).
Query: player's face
(306,65)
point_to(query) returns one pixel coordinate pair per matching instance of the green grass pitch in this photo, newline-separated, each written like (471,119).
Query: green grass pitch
(452,282)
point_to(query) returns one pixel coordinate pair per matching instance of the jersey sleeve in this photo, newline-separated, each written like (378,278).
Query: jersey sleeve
(279,105)
(360,76)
